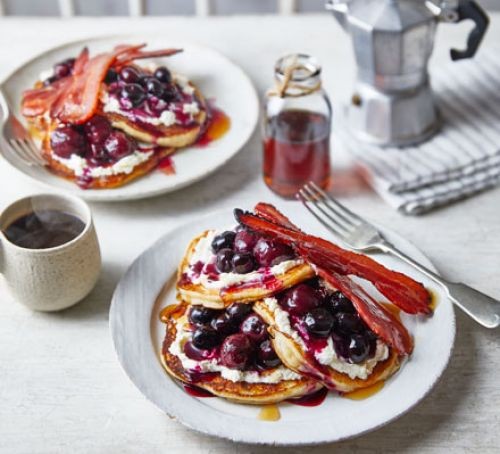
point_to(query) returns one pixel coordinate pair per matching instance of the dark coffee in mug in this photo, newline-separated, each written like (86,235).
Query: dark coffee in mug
(44,229)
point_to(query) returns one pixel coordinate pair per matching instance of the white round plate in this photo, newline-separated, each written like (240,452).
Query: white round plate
(218,78)
(137,334)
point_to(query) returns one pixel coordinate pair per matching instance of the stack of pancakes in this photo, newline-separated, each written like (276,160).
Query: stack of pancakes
(299,372)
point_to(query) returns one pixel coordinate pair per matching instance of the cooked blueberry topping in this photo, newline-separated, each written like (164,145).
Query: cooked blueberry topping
(255,328)
(237,351)
(97,129)
(238,311)
(266,356)
(153,86)
(133,93)
(118,145)
(349,323)
(224,240)
(68,140)
(319,322)
(163,75)
(129,75)
(224,260)
(269,252)
(170,93)
(111,76)
(199,315)
(193,352)
(224,325)
(205,338)
(338,302)
(300,299)
(359,348)
(243,263)
(245,240)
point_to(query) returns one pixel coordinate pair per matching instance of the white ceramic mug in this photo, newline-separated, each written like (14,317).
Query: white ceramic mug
(54,278)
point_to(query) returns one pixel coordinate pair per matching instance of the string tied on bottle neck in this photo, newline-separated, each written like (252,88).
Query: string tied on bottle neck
(295,79)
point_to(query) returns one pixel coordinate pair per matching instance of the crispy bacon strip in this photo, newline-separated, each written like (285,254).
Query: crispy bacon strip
(74,99)
(138,54)
(38,101)
(381,321)
(270,213)
(404,292)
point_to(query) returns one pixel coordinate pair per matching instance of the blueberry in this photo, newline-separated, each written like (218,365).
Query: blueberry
(255,328)
(243,263)
(245,240)
(153,86)
(111,76)
(224,261)
(269,252)
(163,75)
(68,140)
(225,240)
(338,302)
(62,70)
(129,75)
(359,348)
(205,338)
(133,93)
(237,351)
(199,315)
(238,311)
(224,325)
(300,299)
(118,145)
(266,356)
(97,129)
(349,323)
(319,322)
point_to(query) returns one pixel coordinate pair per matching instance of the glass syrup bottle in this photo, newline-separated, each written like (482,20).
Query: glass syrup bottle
(296,127)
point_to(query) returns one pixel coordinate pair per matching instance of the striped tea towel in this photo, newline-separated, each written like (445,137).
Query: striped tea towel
(462,159)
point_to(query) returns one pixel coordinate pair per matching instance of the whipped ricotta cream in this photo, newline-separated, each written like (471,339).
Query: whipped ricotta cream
(279,374)
(203,253)
(126,165)
(328,356)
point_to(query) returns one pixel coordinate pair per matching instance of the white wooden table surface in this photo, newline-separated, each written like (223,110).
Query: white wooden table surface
(61,387)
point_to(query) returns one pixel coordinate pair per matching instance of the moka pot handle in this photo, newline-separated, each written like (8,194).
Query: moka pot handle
(469,9)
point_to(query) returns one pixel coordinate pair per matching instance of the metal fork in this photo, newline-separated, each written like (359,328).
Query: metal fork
(18,139)
(360,235)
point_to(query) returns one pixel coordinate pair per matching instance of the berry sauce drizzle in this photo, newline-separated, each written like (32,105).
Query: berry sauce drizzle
(310,400)
(196,391)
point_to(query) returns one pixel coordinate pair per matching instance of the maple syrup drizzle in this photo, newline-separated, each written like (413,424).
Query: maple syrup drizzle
(394,310)
(365,393)
(434,300)
(168,312)
(310,400)
(218,126)
(269,413)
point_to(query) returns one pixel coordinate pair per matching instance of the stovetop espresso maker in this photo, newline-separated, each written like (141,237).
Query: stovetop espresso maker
(392,103)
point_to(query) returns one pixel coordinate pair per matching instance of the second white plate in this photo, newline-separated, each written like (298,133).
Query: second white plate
(137,334)
(218,78)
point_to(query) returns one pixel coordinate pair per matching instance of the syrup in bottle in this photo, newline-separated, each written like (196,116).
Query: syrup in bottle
(297,124)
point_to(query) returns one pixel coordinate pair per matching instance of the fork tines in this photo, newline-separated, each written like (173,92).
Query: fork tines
(318,201)
(26,150)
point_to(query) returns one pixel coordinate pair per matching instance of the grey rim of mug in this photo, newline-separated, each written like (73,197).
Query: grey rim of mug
(73,200)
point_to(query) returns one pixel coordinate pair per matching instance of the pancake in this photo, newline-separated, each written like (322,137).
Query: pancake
(175,135)
(106,181)
(237,391)
(295,357)
(252,290)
